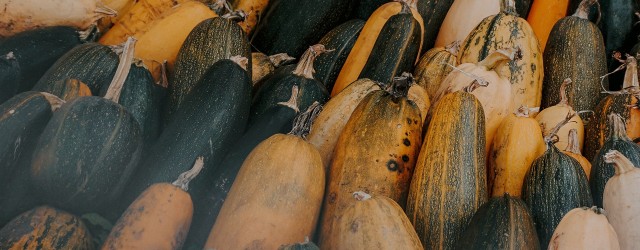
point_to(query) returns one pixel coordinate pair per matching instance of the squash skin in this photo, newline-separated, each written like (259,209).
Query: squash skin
(543,17)
(91,63)
(210,41)
(365,8)
(374,223)
(376,152)
(583,228)
(621,201)
(17,196)
(37,50)
(340,39)
(554,185)
(453,155)
(553,115)
(463,16)
(502,223)
(45,228)
(618,19)
(575,50)
(96,167)
(433,13)
(296,179)
(432,68)
(9,77)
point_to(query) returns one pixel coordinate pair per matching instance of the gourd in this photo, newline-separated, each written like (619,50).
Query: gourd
(583,228)
(435,65)
(254,10)
(620,199)
(552,115)
(263,65)
(544,15)
(463,16)
(340,40)
(69,89)
(573,150)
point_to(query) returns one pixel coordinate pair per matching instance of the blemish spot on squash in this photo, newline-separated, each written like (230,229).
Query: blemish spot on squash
(406,142)
(392,165)
(332,198)
(409,121)
(354,227)
(405,158)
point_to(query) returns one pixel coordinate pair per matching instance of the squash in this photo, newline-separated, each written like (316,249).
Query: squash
(17,196)
(544,15)
(277,88)
(376,152)
(450,176)
(210,41)
(517,143)
(435,65)
(278,119)
(91,63)
(263,65)
(140,227)
(364,8)
(285,207)
(619,102)
(506,30)
(575,50)
(306,245)
(502,223)
(254,10)
(602,171)
(138,19)
(551,116)
(290,26)
(371,223)
(621,199)
(9,76)
(36,50)
(24,15)
(618,20)
(69,89)
(584,228)
(45,228)
(362,49)
(463,16)
(122,7)
(573,150)
(164,38)
(88,150)
(433,12)
(341,40)
(554,185)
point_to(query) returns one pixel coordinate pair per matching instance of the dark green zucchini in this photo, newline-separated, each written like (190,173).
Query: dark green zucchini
(9,77)
(15,195)
(210,41)
(523,7)
(290,26)
(365,8)
(396,49)
(555,184)
(68,89)
(575,50)
(618,17)
(433,13)
(91,63)
(37,50)
(277,88)
(210,120)
(275,120)
(341,40)
(601,171)
(502,223)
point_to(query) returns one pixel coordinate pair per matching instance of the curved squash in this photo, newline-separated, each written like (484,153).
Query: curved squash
(621,199)
(69,89)
(502,223)
(341,40)
(573,150)
(450,175)
(575,50)
(372,223)
(584,228)
(553,115)
(45,228)
(543,16)
(463,16)
(506,30)
(434,66)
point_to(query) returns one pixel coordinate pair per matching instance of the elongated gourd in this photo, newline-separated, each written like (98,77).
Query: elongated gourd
(251,216)
(517,143)
(159,218)
(553,115)
(450,181)
(341,40)
(544,15)
(380,161)
(507,30)
(433,12)
(369,35)
(621,199)
(584,228)
(435,65)
(618,20)
(254,9)
(573,150)
(463,16)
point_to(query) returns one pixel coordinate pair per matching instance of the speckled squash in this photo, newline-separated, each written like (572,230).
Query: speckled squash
(584,228)
(433,12)
(621,200)
(69,89)
(434,66)
(450,176)
(45,228)
(341,40)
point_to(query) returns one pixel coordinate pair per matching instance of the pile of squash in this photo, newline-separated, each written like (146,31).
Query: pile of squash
(319,124)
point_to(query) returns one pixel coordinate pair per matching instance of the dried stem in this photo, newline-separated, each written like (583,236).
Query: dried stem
(573,144)
(361,196)
(564,99)
(126,58)
(302,122)
(453,47)
(293,100)
(186,177)
(618,127)
(400,85)
(280,59)
(552,136)
(621,163)
(523,111)
(305,66)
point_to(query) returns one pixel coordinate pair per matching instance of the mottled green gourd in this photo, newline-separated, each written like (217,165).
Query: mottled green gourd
(341,40)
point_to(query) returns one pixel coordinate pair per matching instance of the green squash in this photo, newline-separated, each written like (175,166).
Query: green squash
(341,41)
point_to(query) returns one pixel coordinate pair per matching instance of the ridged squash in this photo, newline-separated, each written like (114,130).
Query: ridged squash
(584,228)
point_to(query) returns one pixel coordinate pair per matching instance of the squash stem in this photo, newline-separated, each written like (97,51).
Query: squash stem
(498,57)
(583,9)
(236,16)
(183,180)
(621,163)
(453,47)
(552,136)
(293,100)
(400,85)
(361,196)
(103,11)
(508,7)
(573,144)
(302,122)
(54,101)
(523,111)
(126,59)
(594,209)
(631,75)
(618,127)
(242,61)
(280,59)
(305,66)
(564,99)
(163,73)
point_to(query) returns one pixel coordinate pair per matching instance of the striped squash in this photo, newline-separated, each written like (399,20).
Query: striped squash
(341,40)
(435,65)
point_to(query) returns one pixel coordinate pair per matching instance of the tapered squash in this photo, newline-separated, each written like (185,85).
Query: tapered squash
(553,115)
(371,223)
(463,16)
(602,171)
(372,30)
(88,150)
(341,40)
(375,152)
(263,65)
(9,76)
(575,50)
(543,16)
(507,30)
(502,223)
(210,41)
(517,143)
(618,20)
(449,182)
(69,89)
(284,209)
(434,66)
(254,9)
(573,150)
(584,228)
(159,218)
(554,185)
(45,228)
(621,199)
(620,102)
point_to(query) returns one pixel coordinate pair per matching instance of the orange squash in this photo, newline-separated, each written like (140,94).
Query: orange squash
(120,6)
(621,200)
(464,16)
(435,65)
(159,218)
(543,16)
(573,150)
(584,228)
(553,115)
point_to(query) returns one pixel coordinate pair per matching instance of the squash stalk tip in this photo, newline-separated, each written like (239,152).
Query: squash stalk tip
(552,136)
(361,196)
(573,145)
(500,56)
(126,59)
(281,59)
(54,101)
(508,7)
(183,180)
(302,122)
(564,99)
(400,85)
(164,80)
(583,9)
(453,47)
(242,61)
(293,100)
(618,127)
(237,16)
(523,111)
(305,66)
(620,162)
